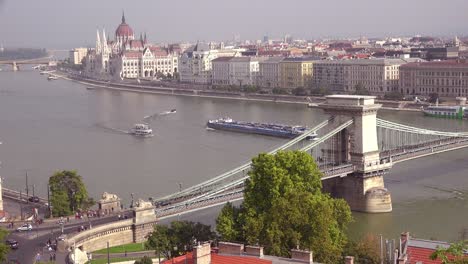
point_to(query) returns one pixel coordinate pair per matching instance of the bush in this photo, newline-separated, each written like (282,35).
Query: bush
(280,91)
(359,89)
(397,96)
(320,91)
(299,91)
(251,89)
(144,260)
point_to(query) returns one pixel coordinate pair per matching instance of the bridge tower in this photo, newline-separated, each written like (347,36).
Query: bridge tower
(364,189)
(15,66)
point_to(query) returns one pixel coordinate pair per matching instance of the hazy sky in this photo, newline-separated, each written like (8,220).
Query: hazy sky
(68,23)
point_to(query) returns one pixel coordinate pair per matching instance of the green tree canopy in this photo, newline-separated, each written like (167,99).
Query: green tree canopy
(144,260)
(68,193)
(365,251)
(284,207)
(455,254)
(4,249)
(180,236)
(360,89)
(229,223)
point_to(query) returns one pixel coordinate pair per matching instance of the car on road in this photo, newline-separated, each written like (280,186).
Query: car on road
(12,243)
(33,199)
(25,227)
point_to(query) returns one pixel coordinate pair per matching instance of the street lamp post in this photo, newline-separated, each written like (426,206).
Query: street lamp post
(27,188)
(48,201)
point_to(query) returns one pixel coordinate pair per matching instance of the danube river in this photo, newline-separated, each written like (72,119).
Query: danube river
(54,125)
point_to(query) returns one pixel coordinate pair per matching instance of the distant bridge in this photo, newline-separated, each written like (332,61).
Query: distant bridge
(38,61)
(354,149)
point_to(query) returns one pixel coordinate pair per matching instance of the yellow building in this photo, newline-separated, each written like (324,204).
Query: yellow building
(296,72)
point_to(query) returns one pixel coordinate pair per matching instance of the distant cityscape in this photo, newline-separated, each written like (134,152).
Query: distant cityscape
(418,65)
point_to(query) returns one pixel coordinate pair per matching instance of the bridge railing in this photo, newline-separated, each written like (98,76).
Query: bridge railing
(78,239)
(206,186)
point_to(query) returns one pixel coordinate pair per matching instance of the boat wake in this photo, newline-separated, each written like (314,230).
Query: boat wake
(173,111)
(112,129)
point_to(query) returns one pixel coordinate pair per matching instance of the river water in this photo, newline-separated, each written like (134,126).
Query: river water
(54,125)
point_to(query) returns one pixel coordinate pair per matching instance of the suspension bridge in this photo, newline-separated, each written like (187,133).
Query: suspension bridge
(354,150)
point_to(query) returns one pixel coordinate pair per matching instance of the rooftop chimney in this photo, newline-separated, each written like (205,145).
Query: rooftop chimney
(228,248)
(304,256)
(202,254)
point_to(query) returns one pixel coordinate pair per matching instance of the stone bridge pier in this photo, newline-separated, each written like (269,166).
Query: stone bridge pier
(364,189)
(116,233)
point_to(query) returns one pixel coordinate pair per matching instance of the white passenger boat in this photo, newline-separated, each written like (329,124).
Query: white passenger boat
(142,130)
(52,78)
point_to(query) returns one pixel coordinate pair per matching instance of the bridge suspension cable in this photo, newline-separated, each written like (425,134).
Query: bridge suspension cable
(238,183)
(422,131)
(216,180)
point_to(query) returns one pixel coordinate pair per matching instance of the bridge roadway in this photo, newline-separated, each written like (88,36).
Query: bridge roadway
(236,192)
(43,60)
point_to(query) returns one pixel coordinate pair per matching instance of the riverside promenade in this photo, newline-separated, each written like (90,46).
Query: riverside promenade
(196,90)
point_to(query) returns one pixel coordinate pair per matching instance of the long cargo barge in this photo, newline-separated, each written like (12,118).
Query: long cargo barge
(275,130)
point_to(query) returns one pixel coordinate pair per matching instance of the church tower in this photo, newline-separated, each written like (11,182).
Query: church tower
(98,43)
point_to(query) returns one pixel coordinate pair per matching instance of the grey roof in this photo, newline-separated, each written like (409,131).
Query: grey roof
(380,61)
(221,59)
(240,59)
(273,60)
(299,59)
(198,47)
(429,244)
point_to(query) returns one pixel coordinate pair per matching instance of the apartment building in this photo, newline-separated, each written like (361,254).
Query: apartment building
(446,78)
(296,72)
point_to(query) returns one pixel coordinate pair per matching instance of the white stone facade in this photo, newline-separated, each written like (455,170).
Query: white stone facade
(269,72)
(126,57)
(195,64)
(77,55)
(243,71)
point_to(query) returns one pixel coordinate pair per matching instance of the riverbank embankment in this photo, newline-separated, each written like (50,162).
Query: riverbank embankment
(310,101)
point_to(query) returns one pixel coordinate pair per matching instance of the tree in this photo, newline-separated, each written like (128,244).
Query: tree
(160,241)
(68,193)
(395,95)
(284,207)
(299,91)
(454,254)
(365,251)
(144,260)
(229,223)
(360,89)
(4,249)
(320,91)
(433,97)
(180,236)
(280,91)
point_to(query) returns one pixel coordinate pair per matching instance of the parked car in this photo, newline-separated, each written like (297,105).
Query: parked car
(34,199)
(12,243)
(25,227)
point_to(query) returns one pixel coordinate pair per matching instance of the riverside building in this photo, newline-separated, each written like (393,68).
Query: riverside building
(128,57)
(446,78)
(378,76)
(296,72)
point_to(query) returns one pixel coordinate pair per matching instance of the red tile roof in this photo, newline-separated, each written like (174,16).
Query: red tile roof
(416,254)
(132,54)
(219,259)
